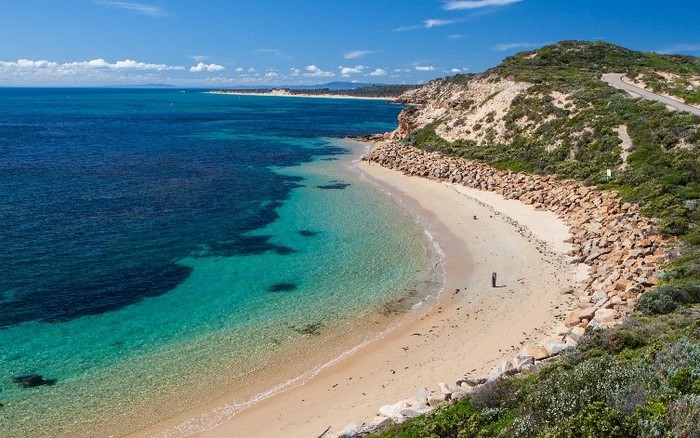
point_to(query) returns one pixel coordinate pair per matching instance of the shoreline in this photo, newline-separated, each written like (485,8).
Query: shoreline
(310,96)
(444,341)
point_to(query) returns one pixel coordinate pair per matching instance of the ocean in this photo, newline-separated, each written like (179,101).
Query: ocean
(158,247)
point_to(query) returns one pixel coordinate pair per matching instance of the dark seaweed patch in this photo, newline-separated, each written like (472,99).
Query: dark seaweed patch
(101,296)
(248,245)
(282,287)
(308,233)
(334,185)
(33,380)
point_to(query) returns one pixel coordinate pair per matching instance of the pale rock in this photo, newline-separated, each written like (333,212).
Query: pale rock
(415,411)
(505,368)
(554,347)
(379,422)
(471,381)
(393,411)
(603,318)
(349,431)
(523,361)
(421,396)
(598,295)
(435,400)
(537,352)
(448,389)
(577,333)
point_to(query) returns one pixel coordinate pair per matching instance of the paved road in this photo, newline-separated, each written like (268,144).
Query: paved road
(615,79)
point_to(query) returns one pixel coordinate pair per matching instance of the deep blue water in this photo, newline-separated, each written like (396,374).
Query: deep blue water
(103,191)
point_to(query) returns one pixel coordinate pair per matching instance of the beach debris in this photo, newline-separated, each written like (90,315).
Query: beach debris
(325,432)
(493,279)
(33,380)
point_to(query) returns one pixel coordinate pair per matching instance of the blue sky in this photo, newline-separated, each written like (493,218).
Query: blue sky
(226,43)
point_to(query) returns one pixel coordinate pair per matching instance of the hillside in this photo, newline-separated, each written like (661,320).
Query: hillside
(548,112)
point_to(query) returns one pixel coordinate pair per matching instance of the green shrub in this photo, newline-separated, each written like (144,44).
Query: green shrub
(500,393)
(656,302)
(668,297)
(650,421)
(683,415)
(594,421)
(685,381)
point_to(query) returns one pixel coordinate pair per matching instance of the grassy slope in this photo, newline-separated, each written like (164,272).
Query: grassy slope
(641,378)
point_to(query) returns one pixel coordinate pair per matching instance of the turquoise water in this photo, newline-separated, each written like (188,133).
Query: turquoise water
(155,239)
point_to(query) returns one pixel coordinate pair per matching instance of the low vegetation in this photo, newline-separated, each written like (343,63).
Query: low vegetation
(641,378)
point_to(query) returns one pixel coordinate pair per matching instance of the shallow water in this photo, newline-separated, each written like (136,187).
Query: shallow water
(153,238)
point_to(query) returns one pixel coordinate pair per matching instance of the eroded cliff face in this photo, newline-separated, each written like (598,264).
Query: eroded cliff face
(475,110)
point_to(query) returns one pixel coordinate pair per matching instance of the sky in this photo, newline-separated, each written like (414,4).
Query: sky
(229,43)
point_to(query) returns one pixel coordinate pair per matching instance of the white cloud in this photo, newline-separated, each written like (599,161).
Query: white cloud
(251,70)
(26,63)
(378,72)
(456,36)
(427,24)
(294,71)
(274,52)
(239,69)
(435,23)
(139,8)
(347,71)
(406,28)
(316,72)
(206,67)
(503,47)
(424,68)
(271,74)
(130,64)
(76,66)
(475,4)
(95,71)
(358,54)
(456,70)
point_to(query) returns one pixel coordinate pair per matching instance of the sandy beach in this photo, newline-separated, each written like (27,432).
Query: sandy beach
(472,328)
